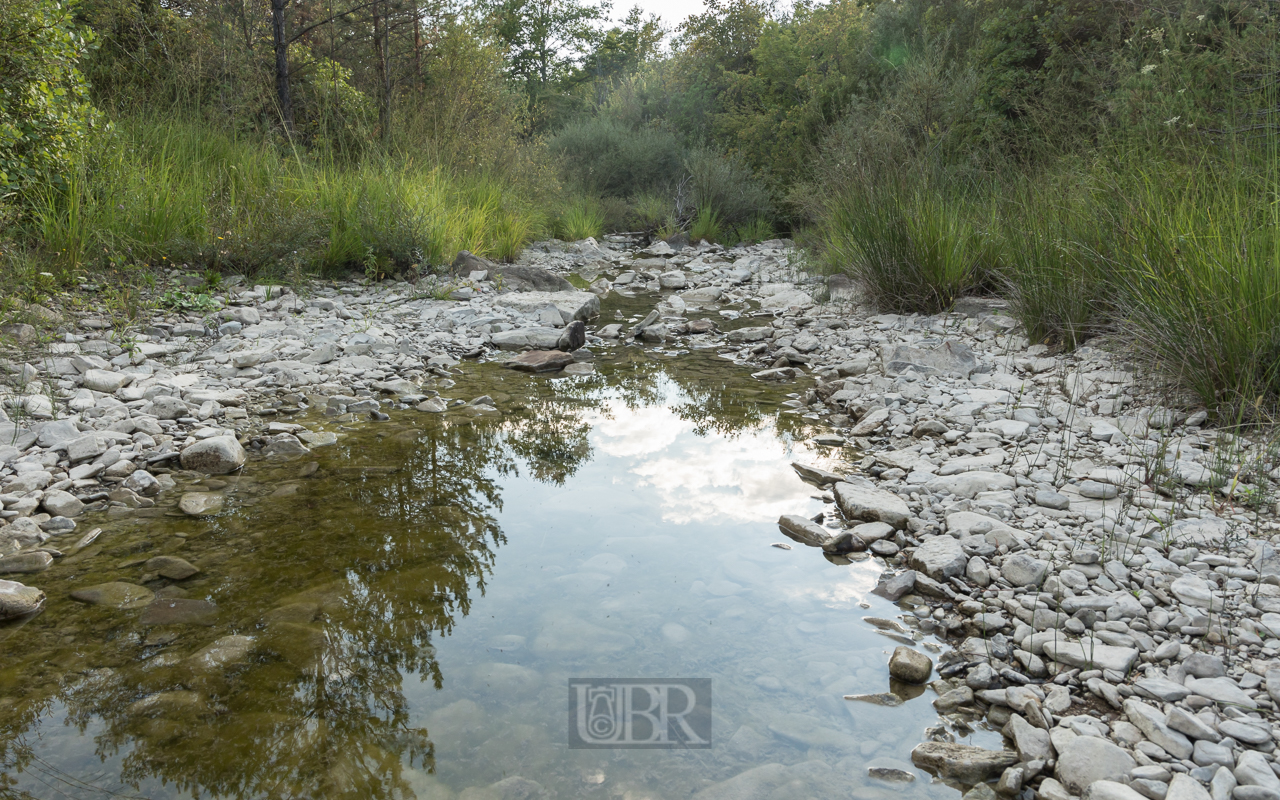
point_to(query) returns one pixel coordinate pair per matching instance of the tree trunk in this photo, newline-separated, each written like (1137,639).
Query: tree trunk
(282,64)
(381,47)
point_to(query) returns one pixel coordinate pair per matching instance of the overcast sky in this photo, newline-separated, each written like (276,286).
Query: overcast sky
(673,12)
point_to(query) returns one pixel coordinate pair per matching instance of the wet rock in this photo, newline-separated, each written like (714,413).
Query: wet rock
(803,530)
(217,455)
(871,505)
(221,653)
(961,762)
(540,361)
(1088,759)
(178,611)
(895,586)
(172,567)
(25,563)
(513,788)
(910,666)
(116,594)
(142,483)
(890,775)
(201,504)
(19,600)
(169,704)
(573,338)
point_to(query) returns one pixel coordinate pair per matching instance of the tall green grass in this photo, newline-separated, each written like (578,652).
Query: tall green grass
(912,248)
(170,190)
(1181,262)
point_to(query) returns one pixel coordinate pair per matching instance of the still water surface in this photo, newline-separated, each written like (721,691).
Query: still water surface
(418,604)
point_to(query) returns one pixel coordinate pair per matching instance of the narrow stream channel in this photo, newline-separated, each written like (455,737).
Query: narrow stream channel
(420,601)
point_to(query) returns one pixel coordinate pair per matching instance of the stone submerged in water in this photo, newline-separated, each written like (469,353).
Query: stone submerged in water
(116,594)
(18,600)
(804,531)
(540,361)
(961,762)
(172,567)
(201,504)
(910,666)
(178,611)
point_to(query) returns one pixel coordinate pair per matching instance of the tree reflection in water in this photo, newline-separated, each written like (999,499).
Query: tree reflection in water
(342,586)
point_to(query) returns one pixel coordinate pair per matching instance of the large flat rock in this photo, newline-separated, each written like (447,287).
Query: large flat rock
(571,305)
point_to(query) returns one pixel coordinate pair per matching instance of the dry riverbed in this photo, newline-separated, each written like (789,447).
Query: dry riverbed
(1100,563)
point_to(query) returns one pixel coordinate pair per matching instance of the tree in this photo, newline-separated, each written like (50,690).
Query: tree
(545,40)
(45,113)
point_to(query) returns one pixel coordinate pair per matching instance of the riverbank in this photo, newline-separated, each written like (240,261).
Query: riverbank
(1100,561)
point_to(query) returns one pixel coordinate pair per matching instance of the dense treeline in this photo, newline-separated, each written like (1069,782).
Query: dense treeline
(1109,166)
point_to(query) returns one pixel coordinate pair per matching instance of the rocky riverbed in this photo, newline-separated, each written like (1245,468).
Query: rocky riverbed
(1101,561)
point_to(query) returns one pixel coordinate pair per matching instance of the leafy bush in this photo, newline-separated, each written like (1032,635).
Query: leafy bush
(612,159)
(726,186)
(45,115)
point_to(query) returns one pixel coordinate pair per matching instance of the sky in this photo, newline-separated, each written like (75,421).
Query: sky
(673,12)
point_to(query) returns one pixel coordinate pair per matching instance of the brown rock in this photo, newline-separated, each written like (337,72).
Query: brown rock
(179,611)
(172,567)
(961,762)
(540,361)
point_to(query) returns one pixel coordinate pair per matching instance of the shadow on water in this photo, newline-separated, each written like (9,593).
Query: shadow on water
(346,570)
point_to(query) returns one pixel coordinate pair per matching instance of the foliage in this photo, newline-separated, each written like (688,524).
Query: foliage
(913,249)
(45,114)
(581,219)
(174,191)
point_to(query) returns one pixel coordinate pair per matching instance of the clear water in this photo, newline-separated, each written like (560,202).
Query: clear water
(419,603)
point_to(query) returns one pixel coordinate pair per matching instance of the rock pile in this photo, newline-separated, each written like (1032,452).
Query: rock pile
(1102,562)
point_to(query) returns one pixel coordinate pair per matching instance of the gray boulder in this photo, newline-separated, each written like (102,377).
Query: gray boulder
(214,456)
(18,600)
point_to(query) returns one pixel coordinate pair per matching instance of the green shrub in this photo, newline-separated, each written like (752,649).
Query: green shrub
(726,185)
(756,231)
(609,158)
(45,115)
(1055,272)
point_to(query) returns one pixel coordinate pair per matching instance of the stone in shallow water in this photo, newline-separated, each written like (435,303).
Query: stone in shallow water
(22,563)
(172,567)
(803,530)
(201,504)
(910,666)
(318,438)
(221,653)
(962,762)
(17,600)
(872,505)
(217,455)
(178,611)
(116,594)
(540,361)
